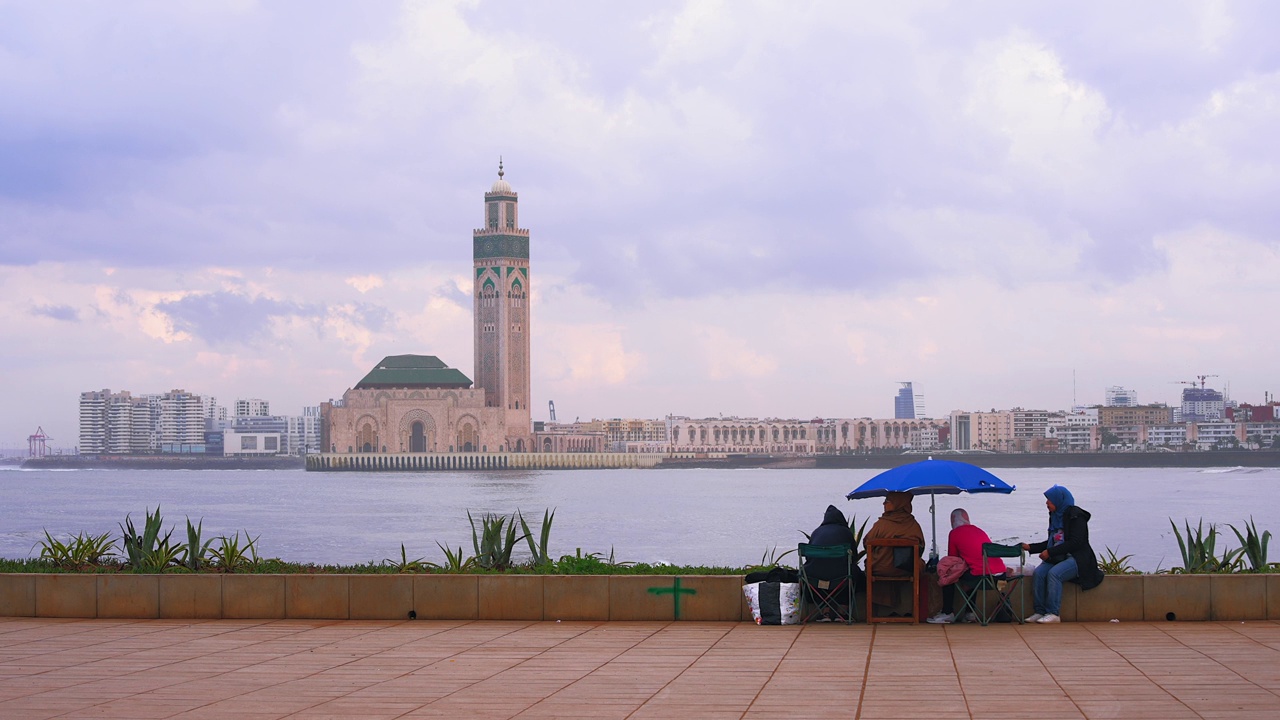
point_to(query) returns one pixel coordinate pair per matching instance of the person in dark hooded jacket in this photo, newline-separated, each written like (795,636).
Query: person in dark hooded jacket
(834,530)
(1065,555)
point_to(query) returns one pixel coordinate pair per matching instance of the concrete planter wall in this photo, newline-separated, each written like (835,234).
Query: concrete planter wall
(554,597)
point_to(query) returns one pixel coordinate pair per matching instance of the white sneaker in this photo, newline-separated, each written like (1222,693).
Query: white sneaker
(942,619)
(1033,618)
(1050,618)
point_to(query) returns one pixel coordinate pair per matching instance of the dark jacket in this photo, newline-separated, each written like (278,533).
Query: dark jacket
(1075,543)
(834,530)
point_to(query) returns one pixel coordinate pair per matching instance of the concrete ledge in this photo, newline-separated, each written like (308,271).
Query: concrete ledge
(128,596)
(381,597)
(73,596)
(575,597)
(446,597)
(509,597)
(1237,597)
(555,597)
(190,597)
(1175,597)
(17,595)
(257,597)
(317,597)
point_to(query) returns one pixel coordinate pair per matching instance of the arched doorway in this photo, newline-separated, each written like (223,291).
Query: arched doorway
(467,440)
(366,439)
(417,437)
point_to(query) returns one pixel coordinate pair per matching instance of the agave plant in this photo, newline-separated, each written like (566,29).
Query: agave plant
(1112,564)
(538,551)
(148,552)
(1199,551)
(405,565)
(78,551)
(1254,546)
(195,554)
(494,541)
(232,556)
(455,562)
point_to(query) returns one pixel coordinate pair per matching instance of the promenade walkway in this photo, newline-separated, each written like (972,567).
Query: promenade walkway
(315,669)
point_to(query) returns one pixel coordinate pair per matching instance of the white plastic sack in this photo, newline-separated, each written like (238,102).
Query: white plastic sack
(773,603)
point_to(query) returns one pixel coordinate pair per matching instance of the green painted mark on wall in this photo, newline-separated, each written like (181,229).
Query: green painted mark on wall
(675,591)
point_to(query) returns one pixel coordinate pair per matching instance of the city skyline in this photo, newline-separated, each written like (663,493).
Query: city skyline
(739,209)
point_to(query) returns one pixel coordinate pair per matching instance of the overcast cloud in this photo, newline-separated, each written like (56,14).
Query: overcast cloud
(763,209)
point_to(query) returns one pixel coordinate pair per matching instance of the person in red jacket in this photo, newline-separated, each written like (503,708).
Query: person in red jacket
(965,542)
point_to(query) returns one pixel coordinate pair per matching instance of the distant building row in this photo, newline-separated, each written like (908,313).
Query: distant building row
(179,422)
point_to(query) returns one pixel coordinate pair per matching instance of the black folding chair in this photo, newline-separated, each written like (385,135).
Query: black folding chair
(1002,587)
(823,598)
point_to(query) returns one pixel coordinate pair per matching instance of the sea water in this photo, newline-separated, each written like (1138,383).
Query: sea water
(691,516)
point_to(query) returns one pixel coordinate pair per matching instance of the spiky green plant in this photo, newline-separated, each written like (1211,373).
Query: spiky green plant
(538,551)
(494,540)
(404,564)
(149,552)
(1199,551)
(1112,564)
(1254,546)
(455,562)
(230,555)
(78,551)
(195,554)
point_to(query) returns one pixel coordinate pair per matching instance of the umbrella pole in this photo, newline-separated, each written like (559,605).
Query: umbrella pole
(933,510)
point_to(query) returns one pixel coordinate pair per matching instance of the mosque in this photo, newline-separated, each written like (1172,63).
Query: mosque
(417,403)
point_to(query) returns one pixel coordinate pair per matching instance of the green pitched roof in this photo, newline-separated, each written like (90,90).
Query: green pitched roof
(409,371)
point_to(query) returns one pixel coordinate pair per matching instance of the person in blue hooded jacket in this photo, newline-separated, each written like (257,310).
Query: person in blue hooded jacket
(1065,555)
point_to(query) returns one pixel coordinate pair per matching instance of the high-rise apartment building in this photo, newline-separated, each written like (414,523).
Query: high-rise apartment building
(181,427)
(1202,404)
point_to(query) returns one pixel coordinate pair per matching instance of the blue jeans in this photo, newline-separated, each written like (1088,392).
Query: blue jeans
(1048,581)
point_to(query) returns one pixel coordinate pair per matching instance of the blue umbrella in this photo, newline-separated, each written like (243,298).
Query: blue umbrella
(945,477)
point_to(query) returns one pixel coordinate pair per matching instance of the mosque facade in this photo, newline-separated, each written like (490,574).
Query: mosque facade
(417,403)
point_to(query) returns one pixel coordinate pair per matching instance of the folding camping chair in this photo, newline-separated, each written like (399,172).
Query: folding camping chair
(832,599)
(913,578)
(1003,586)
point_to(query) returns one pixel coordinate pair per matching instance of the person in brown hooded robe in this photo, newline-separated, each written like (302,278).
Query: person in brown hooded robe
(896,522)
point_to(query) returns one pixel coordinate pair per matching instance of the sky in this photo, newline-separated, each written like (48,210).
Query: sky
(759,209)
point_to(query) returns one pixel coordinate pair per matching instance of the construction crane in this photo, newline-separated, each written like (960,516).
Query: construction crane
(551,407)
(1199,381)
(37,444)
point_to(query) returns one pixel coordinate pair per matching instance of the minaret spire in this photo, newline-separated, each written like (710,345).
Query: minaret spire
(499,167)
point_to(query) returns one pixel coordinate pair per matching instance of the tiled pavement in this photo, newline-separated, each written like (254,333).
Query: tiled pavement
(316,669)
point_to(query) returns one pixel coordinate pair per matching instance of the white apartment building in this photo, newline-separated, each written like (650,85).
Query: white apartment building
(247,444)
(303,436)
(93,421)
(253,407)
(1173,435)
(181,426)
(1121,397)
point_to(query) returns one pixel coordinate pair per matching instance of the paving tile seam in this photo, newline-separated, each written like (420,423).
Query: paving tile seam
(1021,630)
(795,638)
(1126,661)
(866,672)
(1214,660)
(473,683)
(668,683)
(252,625)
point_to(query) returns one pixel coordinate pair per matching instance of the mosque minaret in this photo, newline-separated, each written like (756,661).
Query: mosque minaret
(501,254)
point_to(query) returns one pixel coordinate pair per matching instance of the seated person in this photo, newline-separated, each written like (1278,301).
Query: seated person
(834,530)
(965,542)
(1066,555)
(896,522)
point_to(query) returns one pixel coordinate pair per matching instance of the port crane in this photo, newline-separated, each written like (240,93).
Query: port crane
(37,444)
